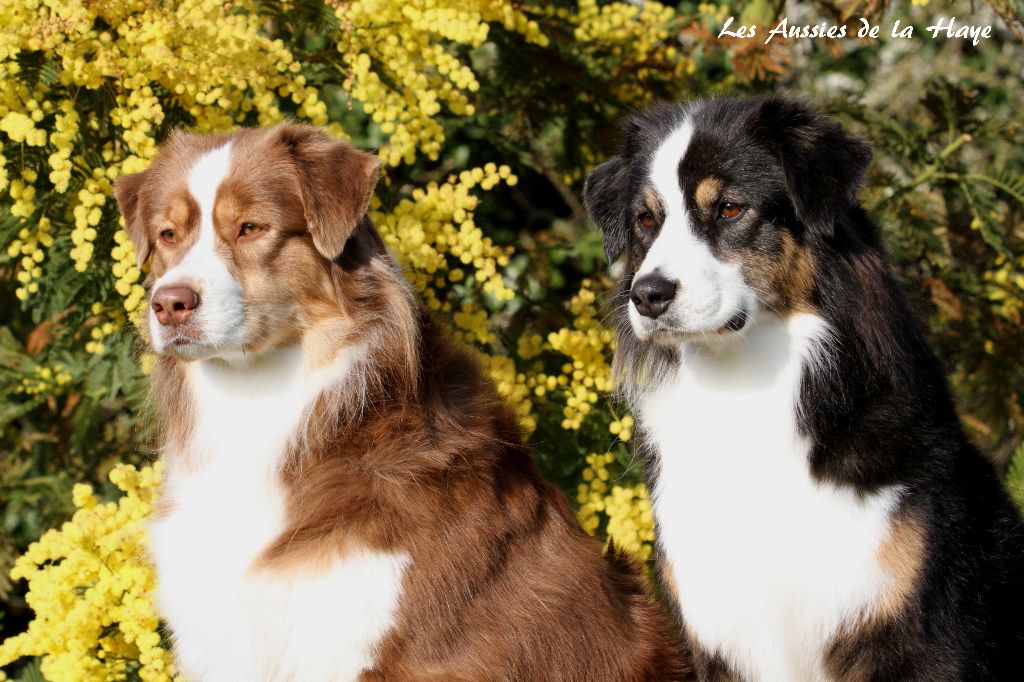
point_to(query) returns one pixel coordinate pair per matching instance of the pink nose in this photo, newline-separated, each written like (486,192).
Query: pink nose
(174,304)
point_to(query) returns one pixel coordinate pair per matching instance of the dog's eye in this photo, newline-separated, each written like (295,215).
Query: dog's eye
(646,220)
(167,236)
(729,210)
(248,229)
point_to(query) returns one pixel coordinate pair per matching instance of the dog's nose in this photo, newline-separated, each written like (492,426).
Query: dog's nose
(174,304)
(652,295)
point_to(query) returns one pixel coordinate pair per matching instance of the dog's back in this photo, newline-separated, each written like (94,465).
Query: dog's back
(498,547)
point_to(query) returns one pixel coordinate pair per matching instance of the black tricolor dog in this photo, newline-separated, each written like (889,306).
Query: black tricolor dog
(821,514)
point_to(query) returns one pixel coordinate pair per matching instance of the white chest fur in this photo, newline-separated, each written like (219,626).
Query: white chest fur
(229,621)
(768,563)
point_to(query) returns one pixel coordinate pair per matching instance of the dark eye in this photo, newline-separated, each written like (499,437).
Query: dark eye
(167,236)
(729,210)
(646,220)
(248,229)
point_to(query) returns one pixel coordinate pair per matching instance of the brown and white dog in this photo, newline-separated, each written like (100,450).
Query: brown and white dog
(345,497)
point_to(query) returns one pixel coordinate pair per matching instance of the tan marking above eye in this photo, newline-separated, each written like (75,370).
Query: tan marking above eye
(707,192)
(647,220)
(729,210)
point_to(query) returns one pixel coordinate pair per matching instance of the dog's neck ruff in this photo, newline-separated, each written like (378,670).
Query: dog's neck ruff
(769,563)
(254,407)
(226,503)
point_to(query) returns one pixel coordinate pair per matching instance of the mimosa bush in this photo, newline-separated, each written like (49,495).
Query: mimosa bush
(487,114)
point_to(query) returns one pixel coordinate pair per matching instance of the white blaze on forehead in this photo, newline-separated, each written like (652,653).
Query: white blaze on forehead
(675,242)
(665,167)
(203,181)
(220,315)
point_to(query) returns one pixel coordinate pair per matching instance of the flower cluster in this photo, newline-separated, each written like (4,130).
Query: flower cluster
(30,245)
(631,36)
(112,321)
(88,212)
(46,380)
(126,271)
(622,427)
(1005,287)
(21,128)
(23,194)
(513,385)
(625,510)
(435,236)
(90,588)
(401,71)
(586,377)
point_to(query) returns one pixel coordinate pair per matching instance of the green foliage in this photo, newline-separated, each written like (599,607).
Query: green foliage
(1015,476)
(947,186)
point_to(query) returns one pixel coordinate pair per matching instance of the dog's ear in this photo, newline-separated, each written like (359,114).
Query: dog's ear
(605,194)
(336,181)
(824,166)
(128,192)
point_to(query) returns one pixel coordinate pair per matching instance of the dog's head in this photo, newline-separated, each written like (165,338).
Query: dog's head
(248,233)
(718,205)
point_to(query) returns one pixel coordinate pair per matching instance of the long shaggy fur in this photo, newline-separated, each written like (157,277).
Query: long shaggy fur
(874,404)
(408,458)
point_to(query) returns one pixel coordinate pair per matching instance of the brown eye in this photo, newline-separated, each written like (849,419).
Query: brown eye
(168,236)
(248,229)
(646,220)
(729,210)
